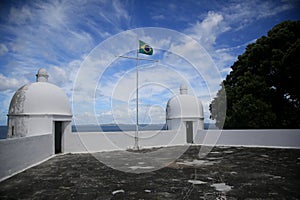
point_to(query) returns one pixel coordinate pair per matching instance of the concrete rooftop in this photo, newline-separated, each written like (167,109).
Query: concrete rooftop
(225,173)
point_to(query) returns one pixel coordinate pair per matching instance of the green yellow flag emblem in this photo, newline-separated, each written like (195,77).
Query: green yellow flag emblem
(145,48)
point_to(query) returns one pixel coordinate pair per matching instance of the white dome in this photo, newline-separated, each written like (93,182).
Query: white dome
(40,98)
(184,106)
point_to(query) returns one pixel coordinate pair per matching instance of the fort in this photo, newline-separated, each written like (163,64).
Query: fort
(40,140)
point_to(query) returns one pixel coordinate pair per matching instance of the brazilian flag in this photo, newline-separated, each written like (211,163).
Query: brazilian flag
(145,48)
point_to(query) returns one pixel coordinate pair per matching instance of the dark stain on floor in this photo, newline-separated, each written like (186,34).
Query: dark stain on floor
(225,173)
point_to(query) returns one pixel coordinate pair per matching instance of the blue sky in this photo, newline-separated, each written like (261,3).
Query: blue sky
(63,36)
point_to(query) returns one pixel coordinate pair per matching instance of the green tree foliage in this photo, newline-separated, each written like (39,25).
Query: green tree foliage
(263,88)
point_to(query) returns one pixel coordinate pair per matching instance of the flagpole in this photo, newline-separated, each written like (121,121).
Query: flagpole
(136,137)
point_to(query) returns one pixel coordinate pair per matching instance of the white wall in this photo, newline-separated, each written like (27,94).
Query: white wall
(29,125)
(19,153)
(38,125)
(105,141)
(174,124)
(286,138)
(33,125)
(17,126)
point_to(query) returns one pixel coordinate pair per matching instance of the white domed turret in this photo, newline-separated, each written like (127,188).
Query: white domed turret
(36,108)
(185,112)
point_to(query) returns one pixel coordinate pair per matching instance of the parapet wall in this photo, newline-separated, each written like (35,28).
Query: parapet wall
(78,142)
(17,154)
(107,141)
(280,138)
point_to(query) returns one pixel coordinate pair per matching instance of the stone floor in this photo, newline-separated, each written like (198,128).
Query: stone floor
(225,173)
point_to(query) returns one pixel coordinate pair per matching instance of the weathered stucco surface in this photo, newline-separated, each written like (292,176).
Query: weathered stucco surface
(40,98)
(17,102)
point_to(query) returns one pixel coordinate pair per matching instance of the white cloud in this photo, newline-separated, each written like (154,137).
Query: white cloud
(120,11)
(124,113)
(157,114)
(48,34)
(3,49)
(158,79)
(20,16)
(206,31)
(85,118)
(58,31)
(156,85)
(242,13)
(158,17)
(58,75)
(11,83)
(172,6)
(54,14)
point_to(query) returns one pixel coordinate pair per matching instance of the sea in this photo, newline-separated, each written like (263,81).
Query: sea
(111,128)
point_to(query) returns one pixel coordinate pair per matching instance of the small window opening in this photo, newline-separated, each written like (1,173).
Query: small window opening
(12,130)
